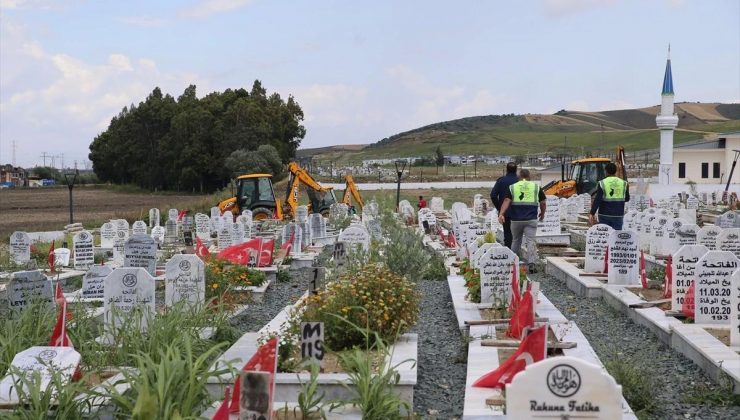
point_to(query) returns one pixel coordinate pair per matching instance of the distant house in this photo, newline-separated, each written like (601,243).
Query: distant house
(13,176)
(708,162)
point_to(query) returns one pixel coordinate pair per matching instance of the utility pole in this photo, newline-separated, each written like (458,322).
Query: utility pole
(13,152)
(44,156)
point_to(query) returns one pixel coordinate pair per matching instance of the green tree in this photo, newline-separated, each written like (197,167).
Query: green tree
(439,156)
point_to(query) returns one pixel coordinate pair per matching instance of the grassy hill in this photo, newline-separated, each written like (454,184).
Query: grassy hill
(574,132)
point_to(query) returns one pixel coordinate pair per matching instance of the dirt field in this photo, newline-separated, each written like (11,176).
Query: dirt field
(42,209)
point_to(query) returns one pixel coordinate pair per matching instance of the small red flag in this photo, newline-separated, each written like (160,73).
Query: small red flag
(59,337)
(606,260)
(515,291)
(51,258)
(181,215)
(668,283)
(240,253)
(643,271)
(264,360)
(523,317)
(532,349)
(267,249)
(288,245)
(687,308)
(201,250)
(223,410)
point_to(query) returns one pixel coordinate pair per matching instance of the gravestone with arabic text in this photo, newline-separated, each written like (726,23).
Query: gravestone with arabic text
(624,255)
(93,282)
(185,280)
(495,275)
(141,251)
(714,273)
(127,290)
(683,268)
(708,236)
(27,287)
(84,250)
(20,247)
(597,239)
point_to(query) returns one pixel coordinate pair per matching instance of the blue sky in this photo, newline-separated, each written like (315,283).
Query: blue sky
(360,70)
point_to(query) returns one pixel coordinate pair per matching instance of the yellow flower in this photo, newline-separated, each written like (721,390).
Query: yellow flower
(215,285)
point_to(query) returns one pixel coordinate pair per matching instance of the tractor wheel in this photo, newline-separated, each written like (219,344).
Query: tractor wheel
(261,213)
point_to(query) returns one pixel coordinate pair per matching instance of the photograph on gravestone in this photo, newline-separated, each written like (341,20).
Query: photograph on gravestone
(43,362)
(127,290)
(714,273)
(624,258)
(683,266)
(93,282)
(564,387)
(597,239)
(20,247)
(185,280)
(495,275)
(312,342)
(26,287)
(141,251)
(255,395)
(84,250)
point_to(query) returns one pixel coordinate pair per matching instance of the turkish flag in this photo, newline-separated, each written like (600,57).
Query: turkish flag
(668,283)
(643,271)
(201,250)
(181,215)
(51,258)
(267,249)
(606,260)
(59,337)
(532,349)
(687,308)
(264,360)
(523,317)
(240,253)
(287,245)
(515,291)
(223,410)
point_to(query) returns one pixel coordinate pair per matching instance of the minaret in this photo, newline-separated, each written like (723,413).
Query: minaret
(666,122)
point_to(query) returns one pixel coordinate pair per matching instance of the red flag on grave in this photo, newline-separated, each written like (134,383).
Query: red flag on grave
(201,250)
(240,253)
(51,258)
(181,215)
(264,360)
(532,349)
(643,271)
(522,318)
(288,245)
(223,410)
(668,282)
(59,337)
(515,291)
(267,249)
(606,260)
(687,308)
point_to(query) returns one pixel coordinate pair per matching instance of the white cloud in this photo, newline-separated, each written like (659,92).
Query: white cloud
(559,8)
(56,102)
(142,21)
(208,7)
(331,105)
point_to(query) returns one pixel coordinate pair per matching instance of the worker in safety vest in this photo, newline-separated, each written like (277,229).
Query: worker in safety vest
(521,204)
(611,194)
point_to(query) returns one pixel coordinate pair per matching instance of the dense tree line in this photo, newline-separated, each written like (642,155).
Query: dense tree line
(183,144)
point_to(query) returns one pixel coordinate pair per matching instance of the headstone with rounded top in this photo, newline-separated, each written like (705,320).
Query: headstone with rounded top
(659,235)
(355,236)
(172,214)
(564,387)
(157,234)
(118,245)
(624,258)
(202,226)
(301,214)
(237,232)
(139,228)
(20,247)
(107,235)
(728,220)
(154,217)
(708,236)
(185,280)
(84,250)
(122,226)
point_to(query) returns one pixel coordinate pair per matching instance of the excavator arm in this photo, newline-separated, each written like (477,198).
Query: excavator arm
(298,177)
(351,191)
(620,162)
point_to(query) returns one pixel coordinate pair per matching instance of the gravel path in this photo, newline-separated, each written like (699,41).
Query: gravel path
(278,296)
(440,390)
(614,336)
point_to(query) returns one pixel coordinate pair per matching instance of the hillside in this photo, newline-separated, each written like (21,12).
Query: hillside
(573,132)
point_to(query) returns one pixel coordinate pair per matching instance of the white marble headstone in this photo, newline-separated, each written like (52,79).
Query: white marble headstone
(729,240)
(126,289)
(20,247)
(158,234)
(495,275)
(735,310)
(93,282)
(44,361)
(713,287)
(597,239)
(355,236)
(551,223)
(107,235)
(708,236)
(26,287)
(185,280)
(84,250)
(624,258)
(139,228)
(141,251)
(61,257)
(683,267)
(154,217)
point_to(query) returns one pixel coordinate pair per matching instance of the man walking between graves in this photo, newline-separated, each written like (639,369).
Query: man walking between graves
(521,204)
(498,194)
(611,194)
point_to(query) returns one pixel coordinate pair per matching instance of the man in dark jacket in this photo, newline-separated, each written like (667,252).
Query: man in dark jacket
(611,194)
(498,193)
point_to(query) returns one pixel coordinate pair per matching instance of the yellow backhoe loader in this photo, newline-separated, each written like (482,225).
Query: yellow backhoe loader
(351,191)
(584,176)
